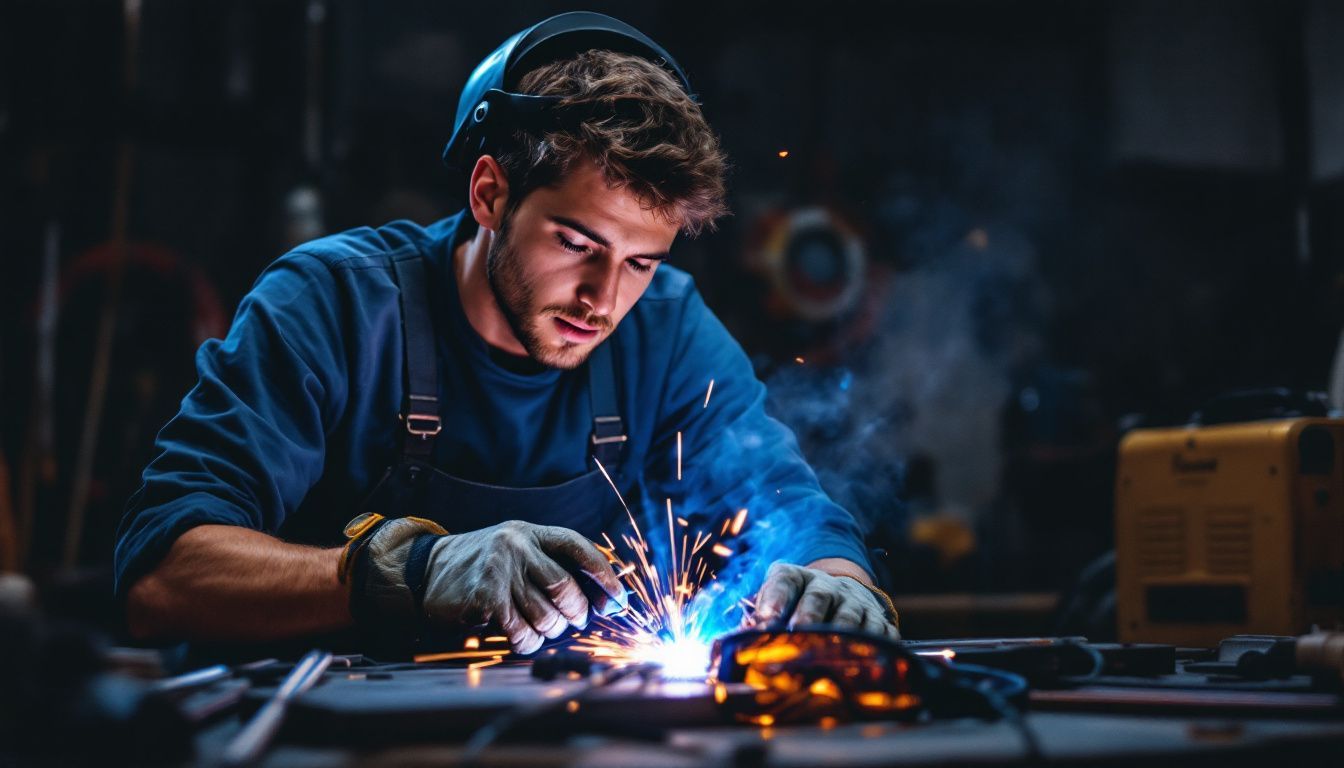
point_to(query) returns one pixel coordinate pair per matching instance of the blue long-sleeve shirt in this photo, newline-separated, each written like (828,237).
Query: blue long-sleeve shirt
(294,417)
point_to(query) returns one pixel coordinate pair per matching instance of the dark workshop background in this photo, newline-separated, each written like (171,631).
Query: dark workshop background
(1020,228)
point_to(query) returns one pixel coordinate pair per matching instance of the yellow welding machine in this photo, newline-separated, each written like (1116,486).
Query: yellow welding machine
(1230,529)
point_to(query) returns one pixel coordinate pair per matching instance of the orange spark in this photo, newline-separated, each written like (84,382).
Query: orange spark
(424,658)
(738,520)
(678,455)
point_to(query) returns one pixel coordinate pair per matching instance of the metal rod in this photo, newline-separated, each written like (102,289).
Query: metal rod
(195,679)
(251,742)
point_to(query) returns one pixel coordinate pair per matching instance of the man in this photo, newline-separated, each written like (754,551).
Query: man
(483,367)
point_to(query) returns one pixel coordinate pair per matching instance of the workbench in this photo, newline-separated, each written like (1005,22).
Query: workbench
(409,717)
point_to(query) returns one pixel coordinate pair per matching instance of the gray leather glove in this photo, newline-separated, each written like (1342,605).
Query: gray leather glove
(799,595)
(517,576)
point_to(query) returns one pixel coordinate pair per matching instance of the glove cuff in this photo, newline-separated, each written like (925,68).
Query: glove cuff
(384,564)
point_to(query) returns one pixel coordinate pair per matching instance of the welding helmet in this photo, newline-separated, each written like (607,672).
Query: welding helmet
(490,107)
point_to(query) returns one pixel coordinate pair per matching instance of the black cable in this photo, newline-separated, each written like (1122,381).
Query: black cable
(1031,747)
(1098,661)
(997,690)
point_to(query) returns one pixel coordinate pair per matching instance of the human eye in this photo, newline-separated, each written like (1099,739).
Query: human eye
(570,246)
(639,266)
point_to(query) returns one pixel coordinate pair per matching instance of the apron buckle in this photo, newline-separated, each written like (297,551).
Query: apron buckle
(600,425)
(423,425)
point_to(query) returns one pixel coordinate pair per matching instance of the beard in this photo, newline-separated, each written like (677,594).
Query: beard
(515,294)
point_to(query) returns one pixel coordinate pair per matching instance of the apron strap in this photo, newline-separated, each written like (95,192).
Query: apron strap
(420,412)
(608,439)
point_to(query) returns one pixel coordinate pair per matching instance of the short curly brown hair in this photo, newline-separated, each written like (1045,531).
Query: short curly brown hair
(632,118)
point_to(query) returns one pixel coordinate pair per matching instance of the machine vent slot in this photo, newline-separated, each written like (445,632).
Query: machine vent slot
(1227,541)
(1161,537)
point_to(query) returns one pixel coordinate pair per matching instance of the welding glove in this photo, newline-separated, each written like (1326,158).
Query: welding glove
(795,595)
(517,576)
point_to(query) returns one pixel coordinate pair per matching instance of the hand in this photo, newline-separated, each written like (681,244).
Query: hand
(802,595)
(515,575)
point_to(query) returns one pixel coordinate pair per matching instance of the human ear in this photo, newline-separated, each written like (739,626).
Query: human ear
(488,193)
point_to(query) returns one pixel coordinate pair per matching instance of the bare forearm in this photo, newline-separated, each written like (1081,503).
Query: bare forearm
(226,583)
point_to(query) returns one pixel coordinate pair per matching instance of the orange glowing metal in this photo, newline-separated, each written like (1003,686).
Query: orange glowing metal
(483,664)
(906,701)
(875,700)
(783,153)
(471,643)
(721,550)
(825,687)
(782,689)
(708,392)
(773,653)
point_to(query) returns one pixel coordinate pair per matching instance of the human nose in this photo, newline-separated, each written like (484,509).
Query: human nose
(598,290)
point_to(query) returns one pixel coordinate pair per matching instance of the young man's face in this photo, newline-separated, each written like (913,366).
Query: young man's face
(570,261)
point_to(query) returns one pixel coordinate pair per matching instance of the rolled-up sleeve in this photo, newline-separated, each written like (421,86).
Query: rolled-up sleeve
(249,439)
(736,456)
